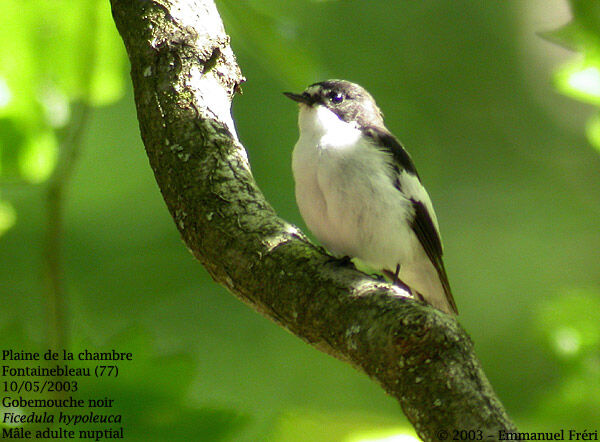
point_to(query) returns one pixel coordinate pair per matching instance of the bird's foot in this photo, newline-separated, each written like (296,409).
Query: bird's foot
(398,282)
(404,286)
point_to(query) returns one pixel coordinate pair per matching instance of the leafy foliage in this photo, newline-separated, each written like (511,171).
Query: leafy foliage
(55,53)
(580,79)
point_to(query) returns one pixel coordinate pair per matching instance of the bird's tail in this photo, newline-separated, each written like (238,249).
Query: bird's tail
(433,287)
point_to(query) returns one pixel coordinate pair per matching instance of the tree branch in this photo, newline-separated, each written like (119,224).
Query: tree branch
(184,75)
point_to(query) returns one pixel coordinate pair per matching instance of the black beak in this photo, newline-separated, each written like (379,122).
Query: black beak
(300,98)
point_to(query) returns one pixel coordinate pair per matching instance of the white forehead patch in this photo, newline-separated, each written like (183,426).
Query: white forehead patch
(314,89)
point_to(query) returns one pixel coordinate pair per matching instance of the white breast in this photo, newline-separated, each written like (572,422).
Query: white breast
(345,192)
(346,195)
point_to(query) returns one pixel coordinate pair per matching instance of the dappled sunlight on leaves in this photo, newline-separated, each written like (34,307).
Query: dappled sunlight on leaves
(55,53)
(42,76)
(592,130)
(580,79)
(56,105)
(38,157)
(5,93)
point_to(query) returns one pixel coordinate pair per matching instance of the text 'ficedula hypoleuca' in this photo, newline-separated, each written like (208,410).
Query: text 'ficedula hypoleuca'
(359,192)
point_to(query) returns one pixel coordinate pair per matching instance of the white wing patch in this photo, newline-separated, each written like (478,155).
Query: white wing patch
(413,189)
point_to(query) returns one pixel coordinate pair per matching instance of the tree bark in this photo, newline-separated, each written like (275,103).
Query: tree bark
(185,75)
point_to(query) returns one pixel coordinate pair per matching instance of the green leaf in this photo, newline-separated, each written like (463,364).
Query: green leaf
(55,53)
(108,79)
(571,36)
(592,130)
(8,216)
(581,79)
(38,156)
(78,49)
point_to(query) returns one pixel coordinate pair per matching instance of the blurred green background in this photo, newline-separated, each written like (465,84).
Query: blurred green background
(501,121)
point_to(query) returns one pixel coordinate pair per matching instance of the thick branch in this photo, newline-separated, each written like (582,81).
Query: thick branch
(185,75)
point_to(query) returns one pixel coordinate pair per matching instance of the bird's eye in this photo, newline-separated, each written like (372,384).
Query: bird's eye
(336,97)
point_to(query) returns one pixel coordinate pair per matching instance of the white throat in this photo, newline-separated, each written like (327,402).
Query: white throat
(319,123)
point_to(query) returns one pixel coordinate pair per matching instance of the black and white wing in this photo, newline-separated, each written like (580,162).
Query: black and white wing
(424,223)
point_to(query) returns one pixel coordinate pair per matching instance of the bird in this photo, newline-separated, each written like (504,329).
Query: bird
(360,194)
